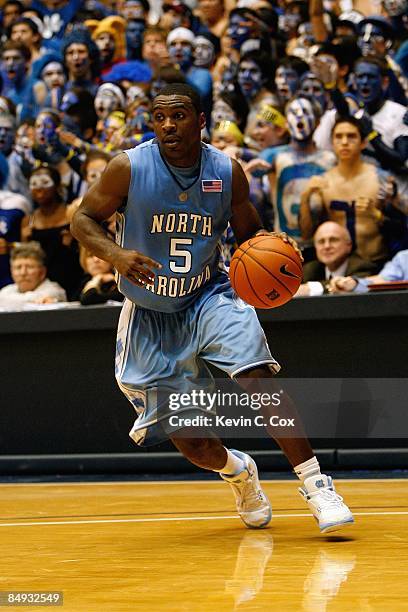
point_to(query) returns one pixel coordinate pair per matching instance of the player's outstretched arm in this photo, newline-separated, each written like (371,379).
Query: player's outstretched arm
(101,202)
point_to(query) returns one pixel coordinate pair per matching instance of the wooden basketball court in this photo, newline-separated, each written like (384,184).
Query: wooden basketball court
(179,546)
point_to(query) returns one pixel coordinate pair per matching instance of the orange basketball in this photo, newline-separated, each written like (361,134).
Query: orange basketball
(265,271)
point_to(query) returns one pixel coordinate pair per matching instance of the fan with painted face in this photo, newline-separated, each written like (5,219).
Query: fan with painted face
(109,98)
(204,52)
(375,36)
(53,75)
(311,85)
(302,118)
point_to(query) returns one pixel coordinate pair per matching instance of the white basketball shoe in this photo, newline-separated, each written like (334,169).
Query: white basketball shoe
(252,504)
(326,505)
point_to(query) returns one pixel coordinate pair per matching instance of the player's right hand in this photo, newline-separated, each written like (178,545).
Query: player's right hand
(137,268)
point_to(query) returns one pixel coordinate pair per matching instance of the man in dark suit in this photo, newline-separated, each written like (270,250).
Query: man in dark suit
(334,257)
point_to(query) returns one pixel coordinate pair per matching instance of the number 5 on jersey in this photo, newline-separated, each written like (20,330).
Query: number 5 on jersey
(176,251)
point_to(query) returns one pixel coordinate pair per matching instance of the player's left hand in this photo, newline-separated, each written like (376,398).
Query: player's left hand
(283,236)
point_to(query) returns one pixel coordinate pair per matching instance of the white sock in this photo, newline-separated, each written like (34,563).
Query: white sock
(234,464)
(306,469)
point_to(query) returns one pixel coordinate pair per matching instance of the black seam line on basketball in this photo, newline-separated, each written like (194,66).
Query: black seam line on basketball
(271,273)
(253,246)
(250,284)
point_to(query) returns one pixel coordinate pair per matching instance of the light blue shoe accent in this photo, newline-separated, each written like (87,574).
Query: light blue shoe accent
(327,507)
(252,504)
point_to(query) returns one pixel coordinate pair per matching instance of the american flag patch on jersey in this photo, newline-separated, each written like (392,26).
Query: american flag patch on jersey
(212,186)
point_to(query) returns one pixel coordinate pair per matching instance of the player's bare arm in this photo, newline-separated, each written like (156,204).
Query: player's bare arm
(245,221)
(103,199)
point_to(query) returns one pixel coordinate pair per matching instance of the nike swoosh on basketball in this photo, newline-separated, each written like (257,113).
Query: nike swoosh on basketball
(286,272)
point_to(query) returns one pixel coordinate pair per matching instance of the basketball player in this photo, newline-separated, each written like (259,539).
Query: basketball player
(174,196)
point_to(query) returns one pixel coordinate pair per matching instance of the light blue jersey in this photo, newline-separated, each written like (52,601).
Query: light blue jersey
(170,332)
(179,228)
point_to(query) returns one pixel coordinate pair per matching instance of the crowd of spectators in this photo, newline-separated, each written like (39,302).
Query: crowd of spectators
(309,96)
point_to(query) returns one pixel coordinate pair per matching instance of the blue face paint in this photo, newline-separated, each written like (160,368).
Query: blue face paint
(249,79)
(12,67)
(6,139)
(289,21)
(287,82)
(313,87)
(45,128)
(238,31)
(227,78)
(368,83)
(134,34)
(141,120)
(371,40)
(181,54)
(301,119)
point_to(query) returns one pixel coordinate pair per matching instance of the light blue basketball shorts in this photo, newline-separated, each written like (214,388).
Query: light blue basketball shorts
(158,351)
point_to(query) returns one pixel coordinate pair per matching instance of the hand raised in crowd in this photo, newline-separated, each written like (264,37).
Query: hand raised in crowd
(70,139)
(134,266)
(326,69)
(117,139)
